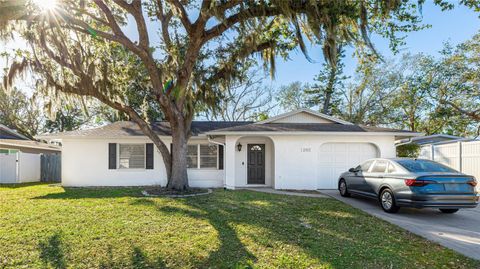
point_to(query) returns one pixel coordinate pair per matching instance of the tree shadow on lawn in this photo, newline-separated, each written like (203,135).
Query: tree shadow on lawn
(138,260)
(289,233)
(94,192)
(231,250)
(22,185)
(54,253)
(257,210)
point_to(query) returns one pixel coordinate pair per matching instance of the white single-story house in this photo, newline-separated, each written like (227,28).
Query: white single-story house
(302,149)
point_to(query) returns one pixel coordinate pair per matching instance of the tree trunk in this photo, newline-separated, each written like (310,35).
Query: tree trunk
(179,179)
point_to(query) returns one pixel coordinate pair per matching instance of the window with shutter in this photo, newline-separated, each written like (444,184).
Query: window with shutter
(208,156)
(112,156)
(131,156)
(149,156)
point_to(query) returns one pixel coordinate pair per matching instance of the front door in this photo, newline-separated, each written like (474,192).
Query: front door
(256,164)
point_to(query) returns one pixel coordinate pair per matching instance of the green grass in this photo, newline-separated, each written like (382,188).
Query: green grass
(55,227)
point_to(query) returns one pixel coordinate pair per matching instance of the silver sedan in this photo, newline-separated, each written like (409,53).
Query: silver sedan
(403,182)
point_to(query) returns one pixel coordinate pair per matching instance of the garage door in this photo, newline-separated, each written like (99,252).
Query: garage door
(336,158)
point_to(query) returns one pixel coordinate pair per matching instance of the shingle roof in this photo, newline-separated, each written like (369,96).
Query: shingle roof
(7,133)
(129,128)
(29,146)
(306,127)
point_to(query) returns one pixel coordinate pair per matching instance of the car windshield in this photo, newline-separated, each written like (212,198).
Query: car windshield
(424,166)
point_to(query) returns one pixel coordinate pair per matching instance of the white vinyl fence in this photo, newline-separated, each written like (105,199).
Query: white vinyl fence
(461,156)
(19,167)
(8,168)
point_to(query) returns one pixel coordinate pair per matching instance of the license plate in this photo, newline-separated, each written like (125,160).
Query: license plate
(454,187)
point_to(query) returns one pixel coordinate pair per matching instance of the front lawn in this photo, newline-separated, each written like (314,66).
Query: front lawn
(45,226)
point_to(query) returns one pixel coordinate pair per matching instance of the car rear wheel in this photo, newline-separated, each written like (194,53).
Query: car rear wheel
(342,187)
(448,210)
(387,201)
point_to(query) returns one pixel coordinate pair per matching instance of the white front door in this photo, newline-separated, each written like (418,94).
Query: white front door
(336,158)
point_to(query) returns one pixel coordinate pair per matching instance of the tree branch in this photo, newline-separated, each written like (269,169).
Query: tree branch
(182,14)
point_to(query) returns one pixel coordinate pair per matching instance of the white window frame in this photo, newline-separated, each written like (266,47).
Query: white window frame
(198,157)
(130,169)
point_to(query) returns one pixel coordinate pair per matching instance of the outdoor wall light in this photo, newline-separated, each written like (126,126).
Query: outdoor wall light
(239,147)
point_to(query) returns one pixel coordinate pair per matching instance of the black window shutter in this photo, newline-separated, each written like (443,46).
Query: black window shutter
(220,157)
(171,150)
(149,157)
(112,156)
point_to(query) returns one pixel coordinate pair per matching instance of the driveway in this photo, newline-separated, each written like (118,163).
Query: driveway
(459,231)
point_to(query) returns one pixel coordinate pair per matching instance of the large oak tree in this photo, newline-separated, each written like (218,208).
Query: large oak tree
(81,48)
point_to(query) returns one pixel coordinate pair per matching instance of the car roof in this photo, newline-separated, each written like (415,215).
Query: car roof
(397,159)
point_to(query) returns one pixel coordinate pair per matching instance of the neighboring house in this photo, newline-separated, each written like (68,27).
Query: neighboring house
(429,139)
(20,158)
(302,149)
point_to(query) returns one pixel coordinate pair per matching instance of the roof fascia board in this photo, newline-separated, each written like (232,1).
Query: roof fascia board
(315,133)
(70,137)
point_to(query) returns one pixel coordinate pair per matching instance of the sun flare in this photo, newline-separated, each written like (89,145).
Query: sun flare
(46,4)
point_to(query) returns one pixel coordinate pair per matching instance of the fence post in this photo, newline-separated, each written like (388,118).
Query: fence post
(432,150)
(460,156)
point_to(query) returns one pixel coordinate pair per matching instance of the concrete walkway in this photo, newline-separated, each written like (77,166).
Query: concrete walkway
(294,193)
(459,231)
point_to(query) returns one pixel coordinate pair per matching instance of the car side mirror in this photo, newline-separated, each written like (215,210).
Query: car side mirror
(352,170)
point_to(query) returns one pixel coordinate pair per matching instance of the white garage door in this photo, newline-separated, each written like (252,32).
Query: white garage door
(336,158)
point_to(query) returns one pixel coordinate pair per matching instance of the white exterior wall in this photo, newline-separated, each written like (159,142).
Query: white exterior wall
(230,161)
(296,168)
(85,163)
(292,160)
(28,167)
(241,161)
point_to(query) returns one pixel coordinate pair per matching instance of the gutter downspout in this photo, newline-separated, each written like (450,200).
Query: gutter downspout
(210,140)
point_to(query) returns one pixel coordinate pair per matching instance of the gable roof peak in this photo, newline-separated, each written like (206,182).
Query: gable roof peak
(308,111)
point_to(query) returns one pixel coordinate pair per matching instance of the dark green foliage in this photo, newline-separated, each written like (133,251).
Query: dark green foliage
(325,93)
(408,150)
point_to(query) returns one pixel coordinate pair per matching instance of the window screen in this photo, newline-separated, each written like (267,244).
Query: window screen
(192,156)
(131,156)
(379,167)
(208,156)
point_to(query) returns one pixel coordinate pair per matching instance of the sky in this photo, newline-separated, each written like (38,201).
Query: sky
(455,26)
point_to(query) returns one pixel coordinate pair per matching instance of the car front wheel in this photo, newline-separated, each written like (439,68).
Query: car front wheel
(342,187)
(448,210)
(387,201)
